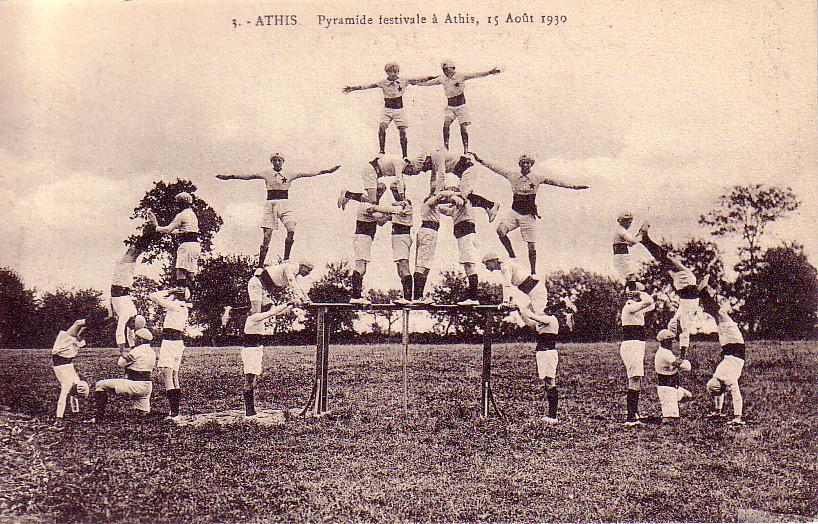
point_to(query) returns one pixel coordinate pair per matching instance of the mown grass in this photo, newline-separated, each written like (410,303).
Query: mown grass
(440,462)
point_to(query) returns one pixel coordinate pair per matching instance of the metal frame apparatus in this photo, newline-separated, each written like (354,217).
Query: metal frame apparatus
(317,403)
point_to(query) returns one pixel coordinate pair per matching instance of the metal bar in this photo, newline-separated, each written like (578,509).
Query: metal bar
(325,362)
(395,307)
(405,340)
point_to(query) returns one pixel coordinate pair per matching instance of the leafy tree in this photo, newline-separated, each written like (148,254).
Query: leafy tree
(377,296)
(160,200)
(781,297)
(746,211)
(334,286)
(141,288)
(452,289)
(17,308)
(57,310)
(598,300)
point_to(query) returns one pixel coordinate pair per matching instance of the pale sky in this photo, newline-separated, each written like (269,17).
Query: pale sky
(659,110)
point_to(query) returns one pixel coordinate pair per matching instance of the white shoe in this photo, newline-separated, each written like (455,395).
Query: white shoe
(492,213)
(175,419)
(343,200)
(550,420)
(360,301)
(402,301)
(468,302)
(251,417)
(632,423)
(715,414)
(737,422)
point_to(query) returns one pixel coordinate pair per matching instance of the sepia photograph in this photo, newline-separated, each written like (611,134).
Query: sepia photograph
(322,261)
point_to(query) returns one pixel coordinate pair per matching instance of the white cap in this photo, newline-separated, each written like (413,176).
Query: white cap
(184,196)
(144,333)
(139,322)
(665,334)
(276,155)
(685,365)
(306,262)
(491,255)
(447,63)
(625,215)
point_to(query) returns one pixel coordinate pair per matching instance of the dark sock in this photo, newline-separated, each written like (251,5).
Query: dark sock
(382,140)
(349,195)
(288,245)
(708,303)
(655,250)
(406,282)
(249,402)
(632,399)
(420,285)
(357,284)
(404,144)
(262,254)
(101,400)
(267,282)
(507,244)
(479,201)
(174,399)
(532,261)
(473,287)
(553,396)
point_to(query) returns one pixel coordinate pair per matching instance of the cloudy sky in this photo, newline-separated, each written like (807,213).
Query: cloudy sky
(658,109)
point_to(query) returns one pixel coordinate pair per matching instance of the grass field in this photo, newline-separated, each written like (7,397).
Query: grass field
(441,462)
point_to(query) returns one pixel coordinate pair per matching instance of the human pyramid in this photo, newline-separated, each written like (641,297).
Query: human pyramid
(452,194)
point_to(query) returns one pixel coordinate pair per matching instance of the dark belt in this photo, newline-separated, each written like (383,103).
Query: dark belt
(462,229)
(461,166)
(366,228)
(525,204)
(528,284)
(633,333)
(254,340)
(401,229)
(59,360)
(278,194)
(667,380)
(190,236)
(430,224)
(393,103)
(120,291)
(458,100)
(620,248)
(139,376)
(171,334)
(546,341)
(688,292)
(736,350)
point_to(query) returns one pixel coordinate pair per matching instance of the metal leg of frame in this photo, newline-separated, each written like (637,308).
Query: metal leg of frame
(405,341)
(487,400)
(317,397)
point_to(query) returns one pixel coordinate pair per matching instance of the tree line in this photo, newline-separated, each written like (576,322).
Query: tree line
(775,294)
